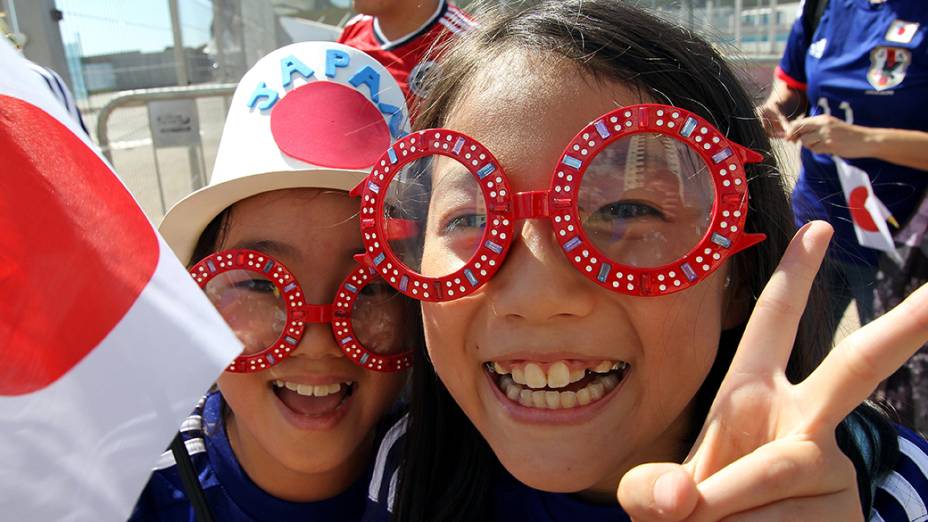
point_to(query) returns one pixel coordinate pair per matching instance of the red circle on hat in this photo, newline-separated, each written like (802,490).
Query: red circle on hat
(75,249)
(330,125)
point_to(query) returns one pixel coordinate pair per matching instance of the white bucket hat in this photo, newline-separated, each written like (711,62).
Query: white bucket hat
(311,114)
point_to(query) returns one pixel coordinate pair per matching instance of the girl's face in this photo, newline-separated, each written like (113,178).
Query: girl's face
(282,437)
(538,315)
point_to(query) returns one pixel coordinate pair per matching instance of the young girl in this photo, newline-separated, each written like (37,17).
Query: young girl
(602,302)
(289,432)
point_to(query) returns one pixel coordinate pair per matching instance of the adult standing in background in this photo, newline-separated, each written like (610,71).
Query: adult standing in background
(855,77)
(854,80)
(400,33)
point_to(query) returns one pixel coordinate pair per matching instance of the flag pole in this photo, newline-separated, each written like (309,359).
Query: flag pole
(190,481)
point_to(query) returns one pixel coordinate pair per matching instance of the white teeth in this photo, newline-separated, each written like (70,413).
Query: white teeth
(568,399)
(603,367)
(538,399)
(558,375)
(552,399)
(310,390)
(576,375)
(610,381)
(583,396)
(498,368)
(518,375)
(534,376)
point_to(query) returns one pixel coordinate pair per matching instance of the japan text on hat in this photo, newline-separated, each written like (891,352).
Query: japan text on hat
(312,114)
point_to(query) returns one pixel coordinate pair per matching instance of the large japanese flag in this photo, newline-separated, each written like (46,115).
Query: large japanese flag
(105,342)
(868,213)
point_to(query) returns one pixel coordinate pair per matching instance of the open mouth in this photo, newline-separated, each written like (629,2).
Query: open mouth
(558,385)
(313,400)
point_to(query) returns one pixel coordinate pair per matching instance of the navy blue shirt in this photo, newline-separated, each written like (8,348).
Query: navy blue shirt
(231,495)
(900,496)
(867,64)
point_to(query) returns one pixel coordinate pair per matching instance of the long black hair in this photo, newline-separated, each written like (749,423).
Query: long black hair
(448,468)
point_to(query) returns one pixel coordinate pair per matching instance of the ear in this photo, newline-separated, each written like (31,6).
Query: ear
(737,306)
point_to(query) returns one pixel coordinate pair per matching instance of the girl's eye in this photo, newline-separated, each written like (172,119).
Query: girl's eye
(260,286)
(466,221)
(627,210)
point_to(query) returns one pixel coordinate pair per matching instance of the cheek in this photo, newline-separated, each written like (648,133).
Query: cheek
(244,393)
(380,391)
(680,340)
(447,330)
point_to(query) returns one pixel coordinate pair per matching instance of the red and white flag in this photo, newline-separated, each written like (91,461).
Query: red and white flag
(105,341)
(868,213)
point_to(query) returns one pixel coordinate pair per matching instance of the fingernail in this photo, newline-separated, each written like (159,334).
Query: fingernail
(665,494)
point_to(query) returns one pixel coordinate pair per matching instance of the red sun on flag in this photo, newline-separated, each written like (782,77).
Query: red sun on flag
(857,206)
(75,251)
(313,123)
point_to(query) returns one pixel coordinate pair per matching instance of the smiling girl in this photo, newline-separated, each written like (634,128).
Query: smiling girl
(601,227)
(290,430)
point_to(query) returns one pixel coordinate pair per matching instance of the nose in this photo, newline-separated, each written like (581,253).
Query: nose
(536,283)
(318,343)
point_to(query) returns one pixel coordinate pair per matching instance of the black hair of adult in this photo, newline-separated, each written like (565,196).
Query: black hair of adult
(448,469)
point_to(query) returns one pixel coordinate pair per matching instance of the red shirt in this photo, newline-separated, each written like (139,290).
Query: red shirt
(403,57)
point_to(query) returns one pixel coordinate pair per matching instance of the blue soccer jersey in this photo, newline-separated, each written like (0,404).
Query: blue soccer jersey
(231,495)
(900,495)
(866,63)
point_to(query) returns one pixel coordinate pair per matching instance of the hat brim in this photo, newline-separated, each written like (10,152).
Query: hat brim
(183,224)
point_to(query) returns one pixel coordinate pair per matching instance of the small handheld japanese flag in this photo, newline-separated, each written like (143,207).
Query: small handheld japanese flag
(868,213)
(105,341)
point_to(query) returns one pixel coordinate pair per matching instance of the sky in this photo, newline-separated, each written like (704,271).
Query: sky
(107,26)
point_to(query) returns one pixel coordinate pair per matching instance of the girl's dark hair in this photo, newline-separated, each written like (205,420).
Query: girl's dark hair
(448,469)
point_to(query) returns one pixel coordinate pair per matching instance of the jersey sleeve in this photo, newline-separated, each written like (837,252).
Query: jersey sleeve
(792,67)
(902,494)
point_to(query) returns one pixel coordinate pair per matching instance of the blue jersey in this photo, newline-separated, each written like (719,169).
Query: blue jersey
(867,64)
(231,495)
(900,496)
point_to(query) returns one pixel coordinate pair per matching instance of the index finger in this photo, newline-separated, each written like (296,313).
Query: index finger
(768,338)
(855,367)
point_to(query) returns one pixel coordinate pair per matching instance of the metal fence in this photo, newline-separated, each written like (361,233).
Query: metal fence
(161,172)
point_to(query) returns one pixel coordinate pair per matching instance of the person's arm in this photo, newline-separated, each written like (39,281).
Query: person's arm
(825,134)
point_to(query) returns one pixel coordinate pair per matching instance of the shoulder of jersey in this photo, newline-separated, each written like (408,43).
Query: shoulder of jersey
(382,488)
(358,18)
(359,24)
(456,20)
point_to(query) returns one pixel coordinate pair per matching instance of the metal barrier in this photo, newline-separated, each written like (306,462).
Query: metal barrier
(756,71)
(145,97)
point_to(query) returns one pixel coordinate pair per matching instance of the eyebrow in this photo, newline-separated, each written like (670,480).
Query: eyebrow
(268,246)
(278,249)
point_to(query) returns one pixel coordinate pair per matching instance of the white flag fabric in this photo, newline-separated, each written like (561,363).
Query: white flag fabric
(868,213)
(106,343)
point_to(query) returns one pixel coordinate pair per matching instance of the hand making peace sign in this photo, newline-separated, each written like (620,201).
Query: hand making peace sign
(767,450)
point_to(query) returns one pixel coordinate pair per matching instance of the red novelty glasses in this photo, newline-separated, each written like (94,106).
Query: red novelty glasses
(264,305)
(646,200)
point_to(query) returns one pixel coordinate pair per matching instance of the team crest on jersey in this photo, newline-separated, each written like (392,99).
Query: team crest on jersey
(418,78)
(888,66)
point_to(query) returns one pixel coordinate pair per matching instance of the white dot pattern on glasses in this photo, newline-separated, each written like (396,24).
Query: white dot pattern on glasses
(718,237)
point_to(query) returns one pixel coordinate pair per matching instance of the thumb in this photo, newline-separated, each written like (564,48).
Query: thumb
(658,492)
